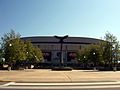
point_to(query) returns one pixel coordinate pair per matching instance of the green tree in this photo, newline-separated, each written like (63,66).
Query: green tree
(7,37)
(38,54)
(94,55)
(29,51)
(82,56)
(110,49)
(1,57)
(116,53)
(34,54)
(13,47)
(17,51)
(90,54)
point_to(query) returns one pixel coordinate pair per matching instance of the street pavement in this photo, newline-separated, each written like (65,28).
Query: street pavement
(47,75)
(46,79)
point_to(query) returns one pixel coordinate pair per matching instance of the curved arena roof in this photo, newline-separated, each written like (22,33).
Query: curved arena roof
(69,40)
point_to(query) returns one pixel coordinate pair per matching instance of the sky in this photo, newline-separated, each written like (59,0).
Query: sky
(81,18)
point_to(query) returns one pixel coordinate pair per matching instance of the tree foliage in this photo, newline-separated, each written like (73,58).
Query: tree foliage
(7,37)
(13,47)
(90,55)
(106,52)
(34,54)
(111,48)
(1,56)
(38,55)
(15,50)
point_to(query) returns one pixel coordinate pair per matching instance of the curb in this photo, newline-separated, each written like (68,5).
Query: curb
(58,81)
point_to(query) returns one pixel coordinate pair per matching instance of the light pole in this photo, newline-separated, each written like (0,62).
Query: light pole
(84,60)
(61,40)
(94,60)
(9,66)
(114,58)
(27,61)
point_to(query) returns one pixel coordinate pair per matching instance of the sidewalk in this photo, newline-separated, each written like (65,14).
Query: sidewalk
(46,75)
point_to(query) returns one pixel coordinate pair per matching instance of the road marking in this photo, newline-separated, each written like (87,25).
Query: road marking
(96,83)
(7,84)
(58,87)
(59,84)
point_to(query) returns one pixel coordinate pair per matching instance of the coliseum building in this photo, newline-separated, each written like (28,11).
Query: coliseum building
(51,47)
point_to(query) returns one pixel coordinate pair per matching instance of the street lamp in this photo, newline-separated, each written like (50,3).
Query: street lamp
(9,66)
(84,61)
(114,58)
(94,60)
(10,44)
(84,57)
(61,40)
